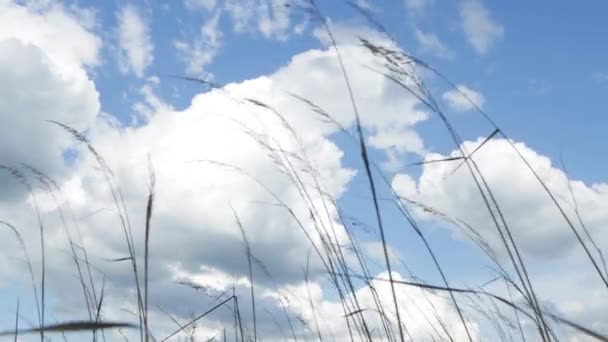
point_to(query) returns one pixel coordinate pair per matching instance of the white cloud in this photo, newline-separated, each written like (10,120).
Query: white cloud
(460,100)
(135,43)
(151,103)
(420,311)
(43,55)
(535,222)
(59,32)
(548,245)
(480,29)
(430,43)
(194,232)
(200,52)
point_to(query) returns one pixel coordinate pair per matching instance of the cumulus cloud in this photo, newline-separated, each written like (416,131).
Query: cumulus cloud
(44,53)
(537,225)
(194,235)
(460,99)
(135,43)
(480,29)
(420,311)
(58,31)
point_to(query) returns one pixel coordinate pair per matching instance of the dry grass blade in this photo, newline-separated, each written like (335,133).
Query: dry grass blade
(496,131)
(17,321)
(505,301)
(118,259)
(312,306)
(28,262)
(149,209)
(401,77)
(364,156)
(198,318)
(81,138)
(72,326)
(435,161)
(249,263)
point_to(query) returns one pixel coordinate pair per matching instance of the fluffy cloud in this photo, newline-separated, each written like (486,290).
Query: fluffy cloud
(460,100)
(194,235)
(536,224)
(63,34)
(548,245)
(479,27)
(135,43)
(43,55)
(420,311)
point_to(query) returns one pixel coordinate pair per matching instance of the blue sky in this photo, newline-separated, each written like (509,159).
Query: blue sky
(542,71)
(108,69)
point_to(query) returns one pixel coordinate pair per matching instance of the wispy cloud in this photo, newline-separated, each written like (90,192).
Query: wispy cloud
(430,43)
(480,29)
(201,4)
(540,87)
(135,43)
(460,100)
(599,76)
(418,6)
(200,52)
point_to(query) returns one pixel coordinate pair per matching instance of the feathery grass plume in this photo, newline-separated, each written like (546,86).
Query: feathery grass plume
(28,262)
(83,139)
(325,258)
(595,263)
(123,215)
(52,188)
(407,215)
(486,116)
(409,82)
(22,178)
(364,157)
(330,247)
(293,176)
(367,163)
(586,331)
